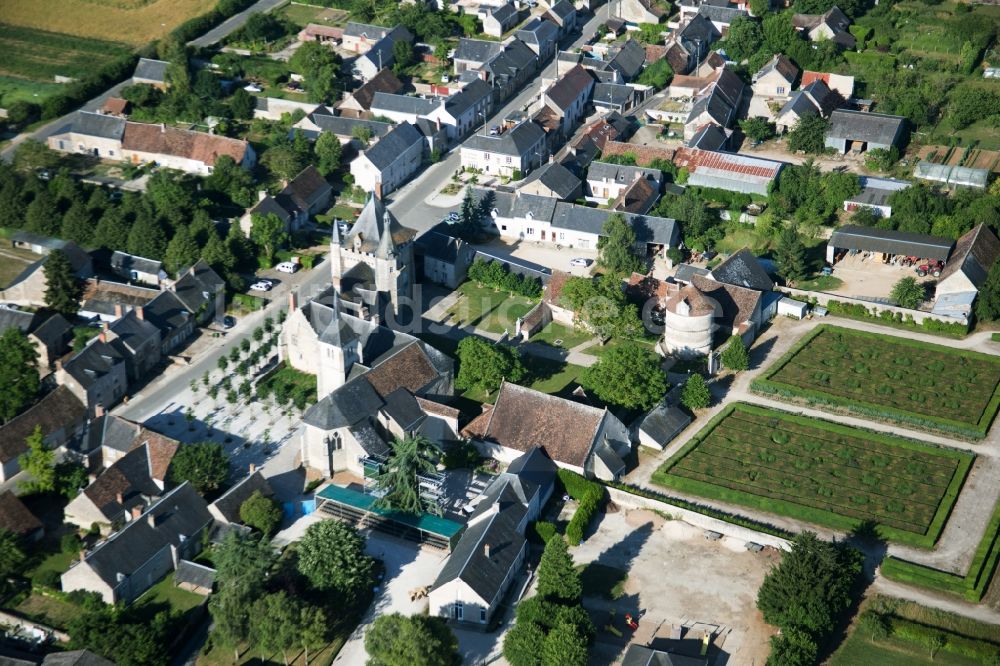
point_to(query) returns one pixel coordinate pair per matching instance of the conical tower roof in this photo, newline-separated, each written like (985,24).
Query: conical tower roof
(375,221)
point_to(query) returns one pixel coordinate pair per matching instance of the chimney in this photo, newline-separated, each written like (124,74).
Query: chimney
(83,554)
(98,410)
(151,519)
(486,551)
(118,311)
(253,468)
(102,336)
(119,498)
(378,191)
(261,195)
(59,366)
(137,511)
(293,302)
(140,313)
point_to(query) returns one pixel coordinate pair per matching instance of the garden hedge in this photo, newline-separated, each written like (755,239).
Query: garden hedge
(766,385)
(972,648)
(972,586)
(815,512)
(589,495)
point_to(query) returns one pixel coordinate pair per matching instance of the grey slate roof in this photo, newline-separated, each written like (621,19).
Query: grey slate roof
(686,271)
(709,137)
(16,319)
(197,285)
(743,270)
(230,502)
(180,513)
(93,362)
(515,142)
(538,31)
(799,103)
(576,83)
(345,126)
(113,432)
(629,60)
(562,9)
(664,422)
(195,574)
(699,28)
(55,332)
(349,404)
(612,94)
(439,245)
(622,174)
(167,313)
(151,70)
(131,332)
(723,15)
(505,13)
(856,237)
(557,178)
(639,655)
(867,127)
(418,106)
(390,147)
(97,125)
(76,658)
(477,50)
(473,93)
(370,439)
(403,408)
(122,263)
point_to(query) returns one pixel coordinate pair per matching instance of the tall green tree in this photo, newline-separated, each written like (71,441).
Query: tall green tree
(558,579)
(42,216)
(273,624)
(908,293)
(616,246)
(696,394)
(564,646)
(332,558)
(62,288)
(735,356)
(808,135)
(627,376)
(242,104)
(988,300)
(11,555)
(268,233)
(483,365)
(147,239)
(402,55)
(418,640)
(77,224)
(18,373)
(39,463)
(328,153)
(790,255)
(312,628)
(204,464)
(182,250)
(600,305)
(261,513)
(757,128)
(399,481)
(745,37)
(112,230)
(319,66)
(523,644)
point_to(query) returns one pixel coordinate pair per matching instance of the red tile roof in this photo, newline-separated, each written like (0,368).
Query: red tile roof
(15,517)
(165,140)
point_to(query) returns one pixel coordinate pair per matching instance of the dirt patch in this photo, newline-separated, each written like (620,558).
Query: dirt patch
(640,517)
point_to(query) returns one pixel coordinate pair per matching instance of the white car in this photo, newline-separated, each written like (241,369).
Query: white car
(260,286)
(580,261)
(286,267)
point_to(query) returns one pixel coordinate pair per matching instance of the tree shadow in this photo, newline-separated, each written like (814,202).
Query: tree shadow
(759,352)
(867,538)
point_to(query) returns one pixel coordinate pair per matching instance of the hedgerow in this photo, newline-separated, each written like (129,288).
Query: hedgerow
(589,495)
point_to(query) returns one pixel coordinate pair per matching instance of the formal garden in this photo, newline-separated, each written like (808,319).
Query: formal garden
(890,378)
(821,472)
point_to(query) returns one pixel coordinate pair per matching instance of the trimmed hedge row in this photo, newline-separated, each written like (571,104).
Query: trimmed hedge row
(589,494)
(972,586)
(895,319)
(809,514)
(954,643)
(764,385)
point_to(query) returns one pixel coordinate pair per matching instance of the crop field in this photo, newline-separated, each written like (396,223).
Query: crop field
(134,22)
(39,56)
(821,472)
(893,378)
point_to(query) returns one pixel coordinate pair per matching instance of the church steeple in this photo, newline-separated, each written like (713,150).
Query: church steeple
(335,235)
(386,248)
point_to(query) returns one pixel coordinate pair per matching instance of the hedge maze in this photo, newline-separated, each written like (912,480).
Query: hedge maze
(891,378)
(821,472)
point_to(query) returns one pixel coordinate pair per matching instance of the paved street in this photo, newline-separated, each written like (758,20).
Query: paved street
(233,23)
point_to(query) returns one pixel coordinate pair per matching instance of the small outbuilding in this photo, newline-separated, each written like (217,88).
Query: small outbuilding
(194,577)
(790,307)
(859,132)
(660,425)
(857,238)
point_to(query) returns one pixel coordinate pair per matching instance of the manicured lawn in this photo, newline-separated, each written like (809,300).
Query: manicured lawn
(48,610)
(553,377)
(889,377)
(600,350)
(222,656)
(300,15)
(820,283)
(14,90)
(601,580)
(559,335)
(165,592)
(738,236)
(820,472)
(487,309)
(58,562)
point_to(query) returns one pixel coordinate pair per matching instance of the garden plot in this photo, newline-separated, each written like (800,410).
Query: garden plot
(821,472)
(887,377)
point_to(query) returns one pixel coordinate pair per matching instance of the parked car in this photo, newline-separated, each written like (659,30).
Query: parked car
(260,286)
(495,130)
(343,227)
(228,321)
(286,267)
(452,217)
(445,79)
(268,282)
(580,261)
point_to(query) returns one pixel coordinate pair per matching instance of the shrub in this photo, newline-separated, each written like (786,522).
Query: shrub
(70,543)
(589,494)
(545,530)
(48,578)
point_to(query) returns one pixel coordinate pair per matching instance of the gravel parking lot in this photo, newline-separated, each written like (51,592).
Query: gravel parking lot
(542,253)
(870,278)
(677,576)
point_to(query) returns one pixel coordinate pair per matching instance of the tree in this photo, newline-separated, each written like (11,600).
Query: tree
(808,135)
(332,557)
(760,7)
(757,128)
(182,251)
(62,288)
(811,586)
(793,647)
(523,644)
(70,478)
(362,133)
(261,513)
(564,646)
(558,579)
(243,563)
(399,481)
(204,465)
(22,112)
(77,224)
(482,364)
(875,624)
(242,104)
(11,555)
(656,74)
(273,624)
(696,394)
(601,305)
(318,65)
(311,628)
(18,373)
(42,216)
(790,255)
(627,376)
(745,37)
(735,356)
(402,55)
(881,159)
(38,461)
(616,246)
(268,233)
(908,293)
(988,300)
(147,238)
(418,640)
(142,95)
(328,153)
(281,160)
(112,230)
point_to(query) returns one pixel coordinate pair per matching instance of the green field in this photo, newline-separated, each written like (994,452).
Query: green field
(892,378)
(484,308)
(559,335)
(32,58)
(820,472)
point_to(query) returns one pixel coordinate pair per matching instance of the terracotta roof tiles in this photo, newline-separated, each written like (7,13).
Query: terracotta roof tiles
(165,140)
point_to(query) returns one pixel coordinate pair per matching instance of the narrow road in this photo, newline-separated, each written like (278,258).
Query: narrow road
(234,23)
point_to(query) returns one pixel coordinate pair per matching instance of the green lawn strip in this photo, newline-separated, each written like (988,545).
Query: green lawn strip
(58,562)
(666,476)
(995,337)
(768,384)
(493,311)
(972,586)
(901,650)
(40,55)
(165,592)
(600,350)
(48,610)
(567,336)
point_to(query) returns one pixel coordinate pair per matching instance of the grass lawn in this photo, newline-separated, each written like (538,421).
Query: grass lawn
(895,378)
(995,337)
(48,610)
(487,309)
(166,593)
(820,283)
(820,472)
(301,15)
(221,656)
(600,350)
(58,562)
(13,261)
(601,580)
(738,236)
(14,90)
(40,56)
(559,335)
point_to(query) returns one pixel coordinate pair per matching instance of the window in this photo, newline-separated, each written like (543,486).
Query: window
(530,231)
(562,236)
(458,610)
(482,615)
(486,156)
(509,159)
(781,90)
(503,227)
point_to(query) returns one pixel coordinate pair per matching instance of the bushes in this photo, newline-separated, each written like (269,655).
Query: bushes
(589,494)
(896,319)
(497,275)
